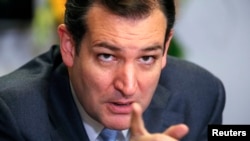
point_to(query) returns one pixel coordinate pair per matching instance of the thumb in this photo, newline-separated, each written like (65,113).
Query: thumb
(137,125)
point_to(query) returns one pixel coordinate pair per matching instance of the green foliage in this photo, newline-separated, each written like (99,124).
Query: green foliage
(175,48)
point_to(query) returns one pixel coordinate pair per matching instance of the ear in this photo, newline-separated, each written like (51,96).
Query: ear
(67,47)
(167,43)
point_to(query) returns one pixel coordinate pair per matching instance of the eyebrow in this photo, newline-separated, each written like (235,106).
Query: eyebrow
(108,46)
(114,48)
(153,48)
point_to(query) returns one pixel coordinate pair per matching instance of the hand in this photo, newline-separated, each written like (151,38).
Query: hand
(139,133)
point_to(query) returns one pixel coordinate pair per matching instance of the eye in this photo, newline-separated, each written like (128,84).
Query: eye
(147,60)
(106,57)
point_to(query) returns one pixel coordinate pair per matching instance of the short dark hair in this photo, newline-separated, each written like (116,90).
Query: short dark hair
(76,11)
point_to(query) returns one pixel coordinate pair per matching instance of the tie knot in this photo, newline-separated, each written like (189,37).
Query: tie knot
(108,134)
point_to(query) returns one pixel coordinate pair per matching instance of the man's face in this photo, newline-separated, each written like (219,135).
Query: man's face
(119,63)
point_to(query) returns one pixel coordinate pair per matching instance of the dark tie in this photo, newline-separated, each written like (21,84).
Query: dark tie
(108,134)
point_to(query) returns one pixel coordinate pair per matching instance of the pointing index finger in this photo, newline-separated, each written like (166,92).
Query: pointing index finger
(137,125)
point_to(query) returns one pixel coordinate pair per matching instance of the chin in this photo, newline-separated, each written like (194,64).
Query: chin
(118,122)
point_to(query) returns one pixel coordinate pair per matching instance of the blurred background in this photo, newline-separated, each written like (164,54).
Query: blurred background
(212,33)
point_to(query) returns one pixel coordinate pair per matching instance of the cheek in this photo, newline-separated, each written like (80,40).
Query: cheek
(96,80)
(93,90)
(85,82)
(93,83)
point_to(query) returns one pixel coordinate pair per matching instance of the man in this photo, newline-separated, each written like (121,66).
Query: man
(109,72)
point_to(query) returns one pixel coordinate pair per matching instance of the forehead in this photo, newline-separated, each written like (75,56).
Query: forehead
(100,20)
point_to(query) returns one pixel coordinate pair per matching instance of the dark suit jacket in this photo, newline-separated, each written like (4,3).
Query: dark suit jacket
(36,102)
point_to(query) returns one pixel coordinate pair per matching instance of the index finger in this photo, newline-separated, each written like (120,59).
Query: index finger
(137,127)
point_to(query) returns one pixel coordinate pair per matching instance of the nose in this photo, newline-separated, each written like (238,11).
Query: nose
(125,80)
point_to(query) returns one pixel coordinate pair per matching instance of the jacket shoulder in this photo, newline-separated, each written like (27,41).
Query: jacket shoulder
(24,96)
(185,75)
(32,75)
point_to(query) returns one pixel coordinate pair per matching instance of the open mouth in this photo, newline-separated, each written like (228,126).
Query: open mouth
(120,108)
(123,104)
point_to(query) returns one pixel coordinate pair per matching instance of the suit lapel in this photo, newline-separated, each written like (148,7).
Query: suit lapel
(63,112)
(159,114)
